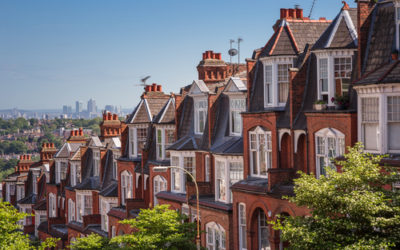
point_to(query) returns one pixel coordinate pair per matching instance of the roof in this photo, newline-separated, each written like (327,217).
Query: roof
(110,191)
(30,199)
(232,146)
(291,36)
(235,84)
(381,39)
(95,141)
(167,113)
(199,87)
(185,143)
(90,183)
(41,205)
(67,149)
(147,109)
(389,73)
(341,33)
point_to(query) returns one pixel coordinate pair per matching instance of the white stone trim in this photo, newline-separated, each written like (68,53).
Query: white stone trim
(297,134)
(281,133)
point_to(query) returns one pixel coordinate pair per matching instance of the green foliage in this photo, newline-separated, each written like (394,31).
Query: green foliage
(93,242)
(157,228)
(350,210)
(16,147)
(11,237)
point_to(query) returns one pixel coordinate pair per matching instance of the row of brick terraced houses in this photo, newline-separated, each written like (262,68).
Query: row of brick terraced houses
(242,130)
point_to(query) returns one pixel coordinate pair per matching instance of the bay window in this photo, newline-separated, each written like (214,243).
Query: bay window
(165,137)
(370,123)
(126,186)
(260,152)
(200,115)
(236,107)
(216,238)
(159,185)
(175,174)
(242,226)
(329,144)
(84,204)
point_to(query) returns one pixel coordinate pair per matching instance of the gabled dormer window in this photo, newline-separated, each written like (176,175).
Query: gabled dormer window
(236,107)
(61,171)
(276,81)
(200,115)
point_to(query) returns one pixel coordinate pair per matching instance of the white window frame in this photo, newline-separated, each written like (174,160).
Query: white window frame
(159,185)
(40,216)
(387,121)
(126,186)
(96,162)
(115,165)
(274,86)
(52,205)
(106,204)
(267,151)
(232,111)
(261,226)
(134,151)
(73,174)
(20,192)
(83,198)
(214,230)
(71,210)
(324,135)
(178,173)
(207,168)
(203,102)
(59,172)
(242,226)
(225,178)
(163,144)
(330,56)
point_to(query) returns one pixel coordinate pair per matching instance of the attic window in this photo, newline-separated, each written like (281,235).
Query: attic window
(236,107)
(200,115)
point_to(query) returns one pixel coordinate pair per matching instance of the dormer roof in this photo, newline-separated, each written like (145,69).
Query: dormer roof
(147,109)
(341,33)
(198,87)
(167,113)
(235,84)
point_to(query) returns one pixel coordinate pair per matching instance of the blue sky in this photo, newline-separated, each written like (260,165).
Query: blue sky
(55,52)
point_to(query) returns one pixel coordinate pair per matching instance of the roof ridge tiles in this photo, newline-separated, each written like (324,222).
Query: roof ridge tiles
(388,71)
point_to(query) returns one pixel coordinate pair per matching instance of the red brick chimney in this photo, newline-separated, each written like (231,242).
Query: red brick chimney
(296,13)
(212,68)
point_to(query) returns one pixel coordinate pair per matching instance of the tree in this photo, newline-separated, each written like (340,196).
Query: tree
(157,228)
(11,237)
(355,208)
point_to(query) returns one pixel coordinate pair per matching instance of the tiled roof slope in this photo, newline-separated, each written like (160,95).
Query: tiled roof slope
(381,38)
(340,32)
(389,73)
(291,36)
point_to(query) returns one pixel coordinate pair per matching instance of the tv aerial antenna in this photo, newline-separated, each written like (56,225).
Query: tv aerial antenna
(143,80)
(312,8)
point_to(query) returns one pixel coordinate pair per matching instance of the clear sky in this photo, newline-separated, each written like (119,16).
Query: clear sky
(56,52)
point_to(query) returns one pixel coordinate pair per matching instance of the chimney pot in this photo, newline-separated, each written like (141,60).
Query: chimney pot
(218,56)
(153,88)
(292,13)
(147,88)
(204,56)
(104,116)
(299,13)
(115,117)
(159,88)
(52,145)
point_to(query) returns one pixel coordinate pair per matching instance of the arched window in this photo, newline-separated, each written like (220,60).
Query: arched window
(71,210)
(260,151)
(329,144)
(159,184)
(215,236)
(263,231)
(242,226)
(126,186)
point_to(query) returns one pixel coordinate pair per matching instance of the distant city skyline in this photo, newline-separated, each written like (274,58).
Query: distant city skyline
(54,53)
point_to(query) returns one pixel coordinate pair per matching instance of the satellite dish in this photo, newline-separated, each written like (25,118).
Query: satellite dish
(233,52)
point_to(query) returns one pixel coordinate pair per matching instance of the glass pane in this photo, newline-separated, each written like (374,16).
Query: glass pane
(370,136)
(370,109)
(394,135)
